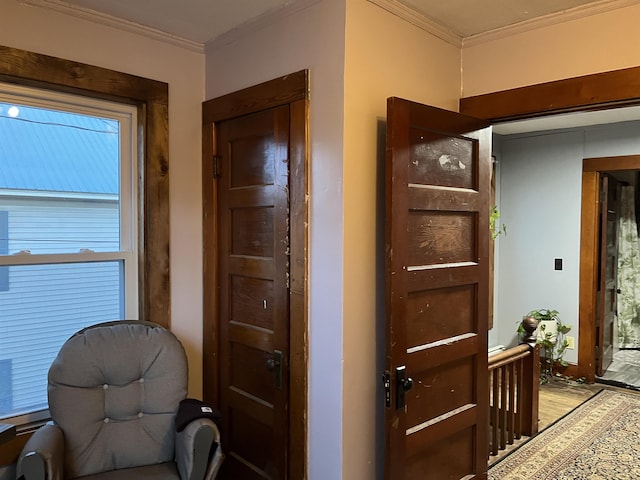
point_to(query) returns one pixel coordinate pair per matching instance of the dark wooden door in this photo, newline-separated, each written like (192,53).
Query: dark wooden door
(437,214)
(608,269)
(254,293)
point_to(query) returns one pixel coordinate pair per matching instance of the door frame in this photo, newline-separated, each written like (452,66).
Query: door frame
(592,168)
(599,91)
(291,90)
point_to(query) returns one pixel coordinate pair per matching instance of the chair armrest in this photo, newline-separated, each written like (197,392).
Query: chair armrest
(198,452)
(42,457)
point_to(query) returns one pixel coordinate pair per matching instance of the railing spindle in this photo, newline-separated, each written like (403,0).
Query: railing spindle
(513,395)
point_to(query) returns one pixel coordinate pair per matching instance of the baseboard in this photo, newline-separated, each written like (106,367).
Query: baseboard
(571,370)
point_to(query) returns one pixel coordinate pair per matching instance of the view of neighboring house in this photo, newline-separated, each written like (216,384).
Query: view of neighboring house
(59,195)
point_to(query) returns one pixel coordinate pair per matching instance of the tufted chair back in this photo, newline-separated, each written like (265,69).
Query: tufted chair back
(114,390)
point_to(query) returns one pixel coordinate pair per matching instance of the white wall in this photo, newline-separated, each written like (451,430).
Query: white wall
(310,38)
(47,32)
(540,202)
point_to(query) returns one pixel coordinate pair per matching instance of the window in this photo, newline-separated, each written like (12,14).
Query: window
(67,184)
(149,98)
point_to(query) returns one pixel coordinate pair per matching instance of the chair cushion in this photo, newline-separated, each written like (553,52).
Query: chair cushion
(114,390)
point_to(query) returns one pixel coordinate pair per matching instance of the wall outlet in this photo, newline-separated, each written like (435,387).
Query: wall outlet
(571,343)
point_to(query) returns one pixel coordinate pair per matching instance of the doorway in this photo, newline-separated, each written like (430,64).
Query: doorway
(595,93)
(622,368)
(539,259)
(255,270)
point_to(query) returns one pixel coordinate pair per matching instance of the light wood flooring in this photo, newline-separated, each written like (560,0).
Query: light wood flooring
(560,396)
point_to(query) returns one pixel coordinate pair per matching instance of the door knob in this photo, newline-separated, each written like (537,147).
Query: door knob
(407,384)
(274,364)
(403,385)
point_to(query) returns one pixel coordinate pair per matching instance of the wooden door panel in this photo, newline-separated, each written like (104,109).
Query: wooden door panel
(441,160)
(439,390)
(437,237)
(254,296)
(247,407)
(256,165)
(253,439)
(440,461)
(252,301)
(252,442)
(247,372)
(438,172)
(452,307)
(252,267)
(252,197)
(252,231)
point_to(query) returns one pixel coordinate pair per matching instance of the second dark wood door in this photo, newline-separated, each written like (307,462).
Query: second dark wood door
(437,214)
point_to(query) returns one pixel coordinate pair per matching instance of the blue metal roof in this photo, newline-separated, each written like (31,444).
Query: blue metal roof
(51,150)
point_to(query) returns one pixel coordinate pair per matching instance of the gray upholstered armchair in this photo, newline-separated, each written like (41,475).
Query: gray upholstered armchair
(114,391)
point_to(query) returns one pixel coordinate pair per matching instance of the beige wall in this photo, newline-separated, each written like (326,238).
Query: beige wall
(47,32)
(309,38)
(603,42)
(384,56)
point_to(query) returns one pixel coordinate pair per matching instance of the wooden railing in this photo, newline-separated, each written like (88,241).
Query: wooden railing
(514,379)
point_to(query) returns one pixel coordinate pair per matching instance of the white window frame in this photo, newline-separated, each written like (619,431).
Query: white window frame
(129,209)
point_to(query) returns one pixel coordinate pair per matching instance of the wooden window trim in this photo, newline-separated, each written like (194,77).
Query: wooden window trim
(151,98)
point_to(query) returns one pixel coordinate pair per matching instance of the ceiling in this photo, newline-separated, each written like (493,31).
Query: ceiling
(202,21)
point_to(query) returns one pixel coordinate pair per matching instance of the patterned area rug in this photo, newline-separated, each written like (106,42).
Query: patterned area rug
(598,440)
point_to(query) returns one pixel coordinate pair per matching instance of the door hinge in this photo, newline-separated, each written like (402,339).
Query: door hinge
(216,166)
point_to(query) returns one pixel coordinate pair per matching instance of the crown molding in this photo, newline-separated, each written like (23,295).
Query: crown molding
(419,20)
(394,7)
(115,22)
(262,21)
(551,19)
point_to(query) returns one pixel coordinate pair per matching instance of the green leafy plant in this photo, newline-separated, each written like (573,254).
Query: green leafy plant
(496,230)
(552,341)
